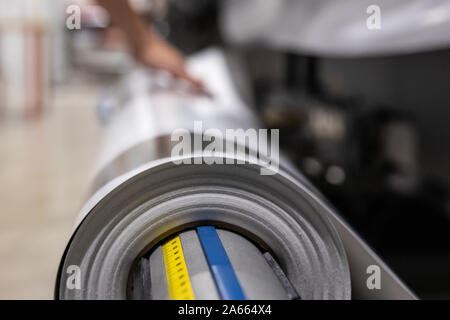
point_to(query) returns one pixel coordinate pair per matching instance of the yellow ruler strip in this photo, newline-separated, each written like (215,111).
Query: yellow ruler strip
(178,280)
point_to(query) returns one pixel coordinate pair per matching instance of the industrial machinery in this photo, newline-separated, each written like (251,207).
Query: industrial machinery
(184,226)
(368,103)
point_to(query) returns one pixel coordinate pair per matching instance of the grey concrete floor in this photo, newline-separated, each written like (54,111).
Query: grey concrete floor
(44,168)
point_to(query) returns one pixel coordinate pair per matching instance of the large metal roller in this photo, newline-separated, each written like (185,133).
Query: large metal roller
(242,234)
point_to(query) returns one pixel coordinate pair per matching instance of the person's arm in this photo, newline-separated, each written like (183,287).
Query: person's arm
(147,45)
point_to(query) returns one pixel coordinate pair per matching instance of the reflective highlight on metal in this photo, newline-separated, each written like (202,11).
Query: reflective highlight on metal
(199,272)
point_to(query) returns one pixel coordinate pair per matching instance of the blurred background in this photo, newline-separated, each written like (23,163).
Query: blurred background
(363,113)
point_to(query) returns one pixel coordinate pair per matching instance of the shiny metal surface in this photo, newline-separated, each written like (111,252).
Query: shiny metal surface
(257,278)
(106,245)
(141,197)
(202,281)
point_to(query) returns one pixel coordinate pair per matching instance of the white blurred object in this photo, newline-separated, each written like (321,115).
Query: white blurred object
(339,27)
(23,56)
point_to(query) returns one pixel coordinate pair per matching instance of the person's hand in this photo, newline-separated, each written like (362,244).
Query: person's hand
(157,53)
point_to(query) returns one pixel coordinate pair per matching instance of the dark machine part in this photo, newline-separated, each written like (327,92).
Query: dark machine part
(141,197)
(190,26)
(377,149)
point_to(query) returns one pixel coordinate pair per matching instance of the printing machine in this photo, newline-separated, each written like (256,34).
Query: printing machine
(362,118)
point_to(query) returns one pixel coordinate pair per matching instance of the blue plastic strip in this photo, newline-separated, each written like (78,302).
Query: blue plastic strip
(226,281)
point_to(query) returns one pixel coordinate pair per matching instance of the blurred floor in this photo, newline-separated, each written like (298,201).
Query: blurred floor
(44,168)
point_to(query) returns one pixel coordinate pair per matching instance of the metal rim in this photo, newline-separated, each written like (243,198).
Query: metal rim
(276,209)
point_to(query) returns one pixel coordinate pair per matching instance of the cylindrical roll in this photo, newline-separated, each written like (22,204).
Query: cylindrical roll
(141,196)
